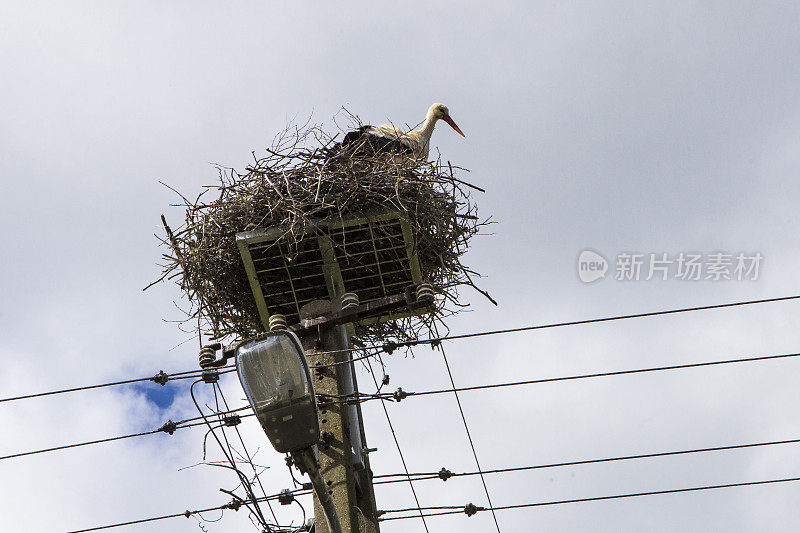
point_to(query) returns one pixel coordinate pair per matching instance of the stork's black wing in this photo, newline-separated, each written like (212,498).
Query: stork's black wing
(354,136)
(362,142)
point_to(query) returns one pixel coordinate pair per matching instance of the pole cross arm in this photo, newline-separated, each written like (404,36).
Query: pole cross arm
(414,297)
(375,308)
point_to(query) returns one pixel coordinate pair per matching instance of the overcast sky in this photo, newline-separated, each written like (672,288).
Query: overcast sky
(617,127)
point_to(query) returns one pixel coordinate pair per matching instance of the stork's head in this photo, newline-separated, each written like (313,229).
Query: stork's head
(440,112)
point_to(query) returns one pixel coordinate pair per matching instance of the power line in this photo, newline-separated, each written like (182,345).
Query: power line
(169,427)
(242,478)
(187,514)
(161,378)
(399,451)
(444,474)
(470,509)
(76,445)
(605,374)
(391,346)
(376,353)
(434,475)
(469,436)
(247,454)
(400,394)
(234,505)
(436,340)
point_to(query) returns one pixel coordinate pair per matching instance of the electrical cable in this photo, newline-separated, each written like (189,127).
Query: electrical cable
(231,453)
(231,505)
(186,513)
(249,458)
(469,436)
(471,509)
(242,478)
(604,374)
(401,394)
(168,427)
(302,509)
(445,474)
(349,360)
(161,378)
(399,451)
(420,476)
(391,346)
(76,445)
(424,393)
(300,492)
(220,420)
(436,340)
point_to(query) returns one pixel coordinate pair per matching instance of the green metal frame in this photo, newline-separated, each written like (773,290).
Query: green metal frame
(335,281)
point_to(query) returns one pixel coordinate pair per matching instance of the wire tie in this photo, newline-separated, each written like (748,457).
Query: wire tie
(161,378)
(285,497)
(210,376)
(399,394)
(234,504)
(232,420)
(445,474)
(389,347)
(470,509)
(169,427)
(323,401)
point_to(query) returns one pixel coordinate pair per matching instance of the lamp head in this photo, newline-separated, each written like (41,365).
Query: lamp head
(276,380)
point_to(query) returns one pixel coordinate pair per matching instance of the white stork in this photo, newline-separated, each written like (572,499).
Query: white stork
(387,138)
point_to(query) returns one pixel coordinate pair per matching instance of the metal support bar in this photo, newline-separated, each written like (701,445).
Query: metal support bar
(307,463)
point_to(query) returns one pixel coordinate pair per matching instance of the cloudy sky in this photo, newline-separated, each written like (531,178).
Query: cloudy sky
(620,127)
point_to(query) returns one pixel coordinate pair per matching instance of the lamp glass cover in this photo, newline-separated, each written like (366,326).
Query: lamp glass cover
(273,372)
(275,378)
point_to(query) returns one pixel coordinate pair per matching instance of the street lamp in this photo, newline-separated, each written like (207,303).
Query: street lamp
(275,378)
(277,383)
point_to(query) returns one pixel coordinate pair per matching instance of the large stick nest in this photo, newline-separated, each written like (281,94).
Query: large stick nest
(295,184)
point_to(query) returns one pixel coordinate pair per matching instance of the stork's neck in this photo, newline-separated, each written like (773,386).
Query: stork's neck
(426,130)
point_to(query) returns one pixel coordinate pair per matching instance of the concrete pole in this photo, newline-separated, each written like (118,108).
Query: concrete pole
(354,507)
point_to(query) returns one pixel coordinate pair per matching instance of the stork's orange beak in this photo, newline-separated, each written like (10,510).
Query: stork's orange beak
(449,120)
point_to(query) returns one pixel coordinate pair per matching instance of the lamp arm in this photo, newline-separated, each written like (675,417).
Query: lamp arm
(306,462)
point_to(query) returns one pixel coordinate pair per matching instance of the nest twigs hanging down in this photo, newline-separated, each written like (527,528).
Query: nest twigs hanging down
(293,185)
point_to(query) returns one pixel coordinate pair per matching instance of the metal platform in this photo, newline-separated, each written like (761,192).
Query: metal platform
(373,256)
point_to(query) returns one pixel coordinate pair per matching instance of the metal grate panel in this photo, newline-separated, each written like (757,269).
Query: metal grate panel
(373,257)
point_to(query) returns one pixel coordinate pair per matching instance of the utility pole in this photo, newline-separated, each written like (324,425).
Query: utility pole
(343,460)
(332,451)
(314,293)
